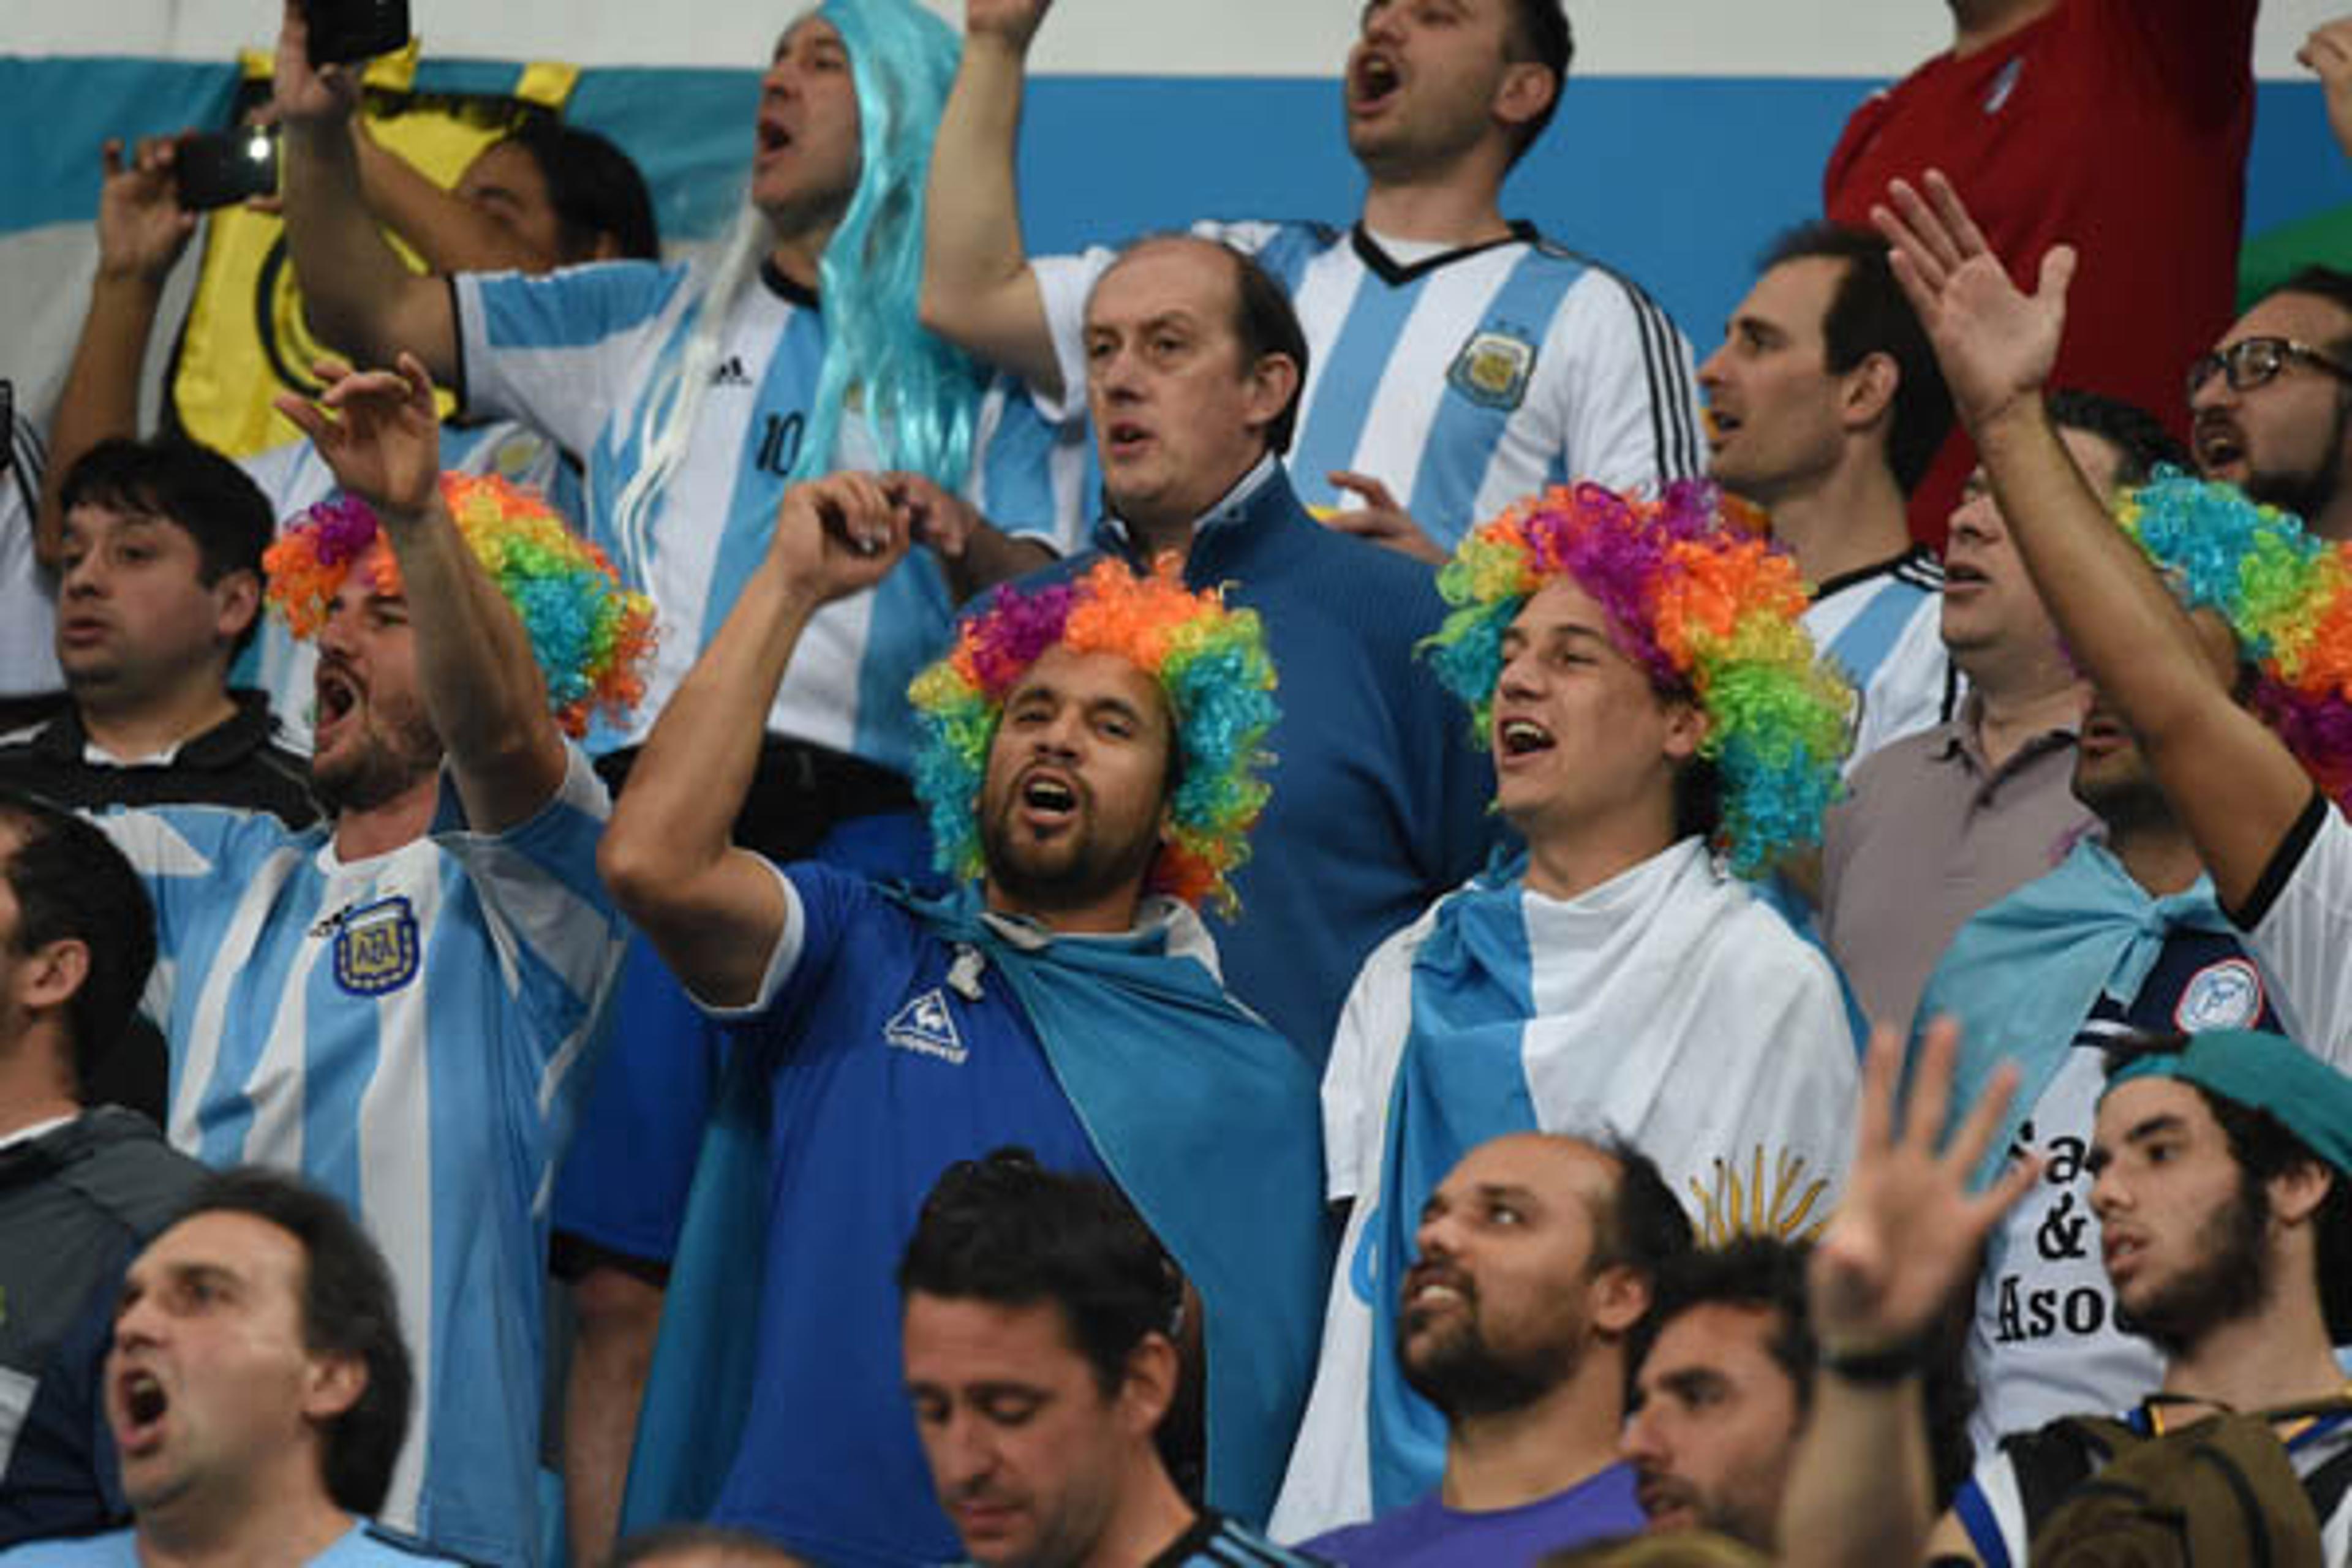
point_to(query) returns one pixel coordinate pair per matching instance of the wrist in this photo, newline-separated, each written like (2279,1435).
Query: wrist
(1879,1364)
(140,281)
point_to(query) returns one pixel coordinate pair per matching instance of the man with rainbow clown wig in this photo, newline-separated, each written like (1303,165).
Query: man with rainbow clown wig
(1661,730)
(1089,763)
(400,1004)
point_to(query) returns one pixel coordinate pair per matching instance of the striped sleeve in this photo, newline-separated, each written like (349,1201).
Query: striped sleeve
(555,352)
(1623,391)
(559,934)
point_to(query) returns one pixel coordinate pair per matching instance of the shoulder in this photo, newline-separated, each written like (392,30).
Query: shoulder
(114,1546)
(121,1164)
(377,1542)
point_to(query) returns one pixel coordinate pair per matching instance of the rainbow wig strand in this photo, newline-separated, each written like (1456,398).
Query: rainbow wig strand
(2286,595)
(1211,663)
(1704,605)
(590,635)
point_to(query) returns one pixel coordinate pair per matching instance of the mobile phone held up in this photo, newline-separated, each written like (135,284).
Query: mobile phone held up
(225,168)
(342,31)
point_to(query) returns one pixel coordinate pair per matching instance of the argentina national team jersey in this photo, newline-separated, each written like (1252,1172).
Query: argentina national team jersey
(1462,382)
(295,479)
(578,353)
(408,1032)
(1882,627)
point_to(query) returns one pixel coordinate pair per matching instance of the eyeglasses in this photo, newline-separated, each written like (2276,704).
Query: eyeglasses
(2251,362)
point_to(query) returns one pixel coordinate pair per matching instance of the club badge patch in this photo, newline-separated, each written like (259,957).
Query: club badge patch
(2224,996)
(376,947)
(1493,368)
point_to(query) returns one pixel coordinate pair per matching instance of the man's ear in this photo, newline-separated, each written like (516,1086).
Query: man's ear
(1525,91)
(2297,1192)
(1273,383)
(1149,1386)
(1686,728)
(1868,394)
(336,1383)
(52,974)
(236,600)
(1618,1299)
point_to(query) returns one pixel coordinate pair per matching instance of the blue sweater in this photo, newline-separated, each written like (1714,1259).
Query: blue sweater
(1379,802)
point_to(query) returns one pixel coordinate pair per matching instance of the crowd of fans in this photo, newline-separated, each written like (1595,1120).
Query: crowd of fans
(1113,910)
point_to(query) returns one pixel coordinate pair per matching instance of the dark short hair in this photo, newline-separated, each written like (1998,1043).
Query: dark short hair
(595,188)
(72,883)
(2332,284)
(1005,1230)
(1267,323)
(1644,1226)
(189,486)
(348,1310)
(2263,1148)
(1538,31)
(1869,315)
(2139,438)
(1757,1273)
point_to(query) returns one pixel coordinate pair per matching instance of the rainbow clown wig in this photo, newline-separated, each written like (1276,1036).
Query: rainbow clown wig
(589,634)
(1703,602)
(1210,661)
(2286,595)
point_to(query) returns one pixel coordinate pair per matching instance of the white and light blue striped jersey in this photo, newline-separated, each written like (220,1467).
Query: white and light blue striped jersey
(1667,1007)
(576,355)
(362,1546)
(1883,626)
(295,479)
(409,1033)
(1462,382)
(28,594)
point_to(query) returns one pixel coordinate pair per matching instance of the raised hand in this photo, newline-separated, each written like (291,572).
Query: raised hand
(935,517)
(142,227)
(2327,53)
(378,431)
(839,534)
(1381,520)
(1906,1235)
(301,92)
(1013,22)
(1996,342)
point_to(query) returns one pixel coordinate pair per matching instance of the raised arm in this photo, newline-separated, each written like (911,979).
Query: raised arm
(2327,54)
(1906,1238)
(715,912)
(141,230)
(449,232)
(481,686)
(356,290)
(2231,782)
(978,291)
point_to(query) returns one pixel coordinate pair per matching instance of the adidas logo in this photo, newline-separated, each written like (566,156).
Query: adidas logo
(730,373)
(926,1027)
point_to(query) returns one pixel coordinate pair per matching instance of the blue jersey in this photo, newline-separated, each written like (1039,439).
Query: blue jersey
(295,479)
(885,1071)
(364,1546)
(1463,381)
(407,1032)
(578,353)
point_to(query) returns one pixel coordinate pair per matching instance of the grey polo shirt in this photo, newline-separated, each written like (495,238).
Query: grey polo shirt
(1927,835)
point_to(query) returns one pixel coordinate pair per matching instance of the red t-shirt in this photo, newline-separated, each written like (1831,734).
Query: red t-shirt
(2119,127)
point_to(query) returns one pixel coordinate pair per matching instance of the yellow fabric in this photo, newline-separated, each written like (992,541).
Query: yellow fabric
(245,340)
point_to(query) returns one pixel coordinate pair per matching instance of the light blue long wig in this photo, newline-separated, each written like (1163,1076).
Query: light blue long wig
(919,397)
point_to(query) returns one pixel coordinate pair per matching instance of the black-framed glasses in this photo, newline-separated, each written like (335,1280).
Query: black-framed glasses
(2251,362)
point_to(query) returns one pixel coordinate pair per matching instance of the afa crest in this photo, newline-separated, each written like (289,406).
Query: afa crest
(1493,368)
(376,947)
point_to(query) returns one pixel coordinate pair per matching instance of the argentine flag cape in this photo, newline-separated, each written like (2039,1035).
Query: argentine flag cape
(1172,1080)
(1668,1007)
(2022,976)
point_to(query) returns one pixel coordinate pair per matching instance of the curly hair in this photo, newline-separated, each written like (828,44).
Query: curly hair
(1211,664)
(590,635)
(1703,605)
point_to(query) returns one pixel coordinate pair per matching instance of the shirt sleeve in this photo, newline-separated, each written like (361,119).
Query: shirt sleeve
(558,932)
(821,902)
(554,351)
(2297,920)
(1621,397)
(2202,51)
